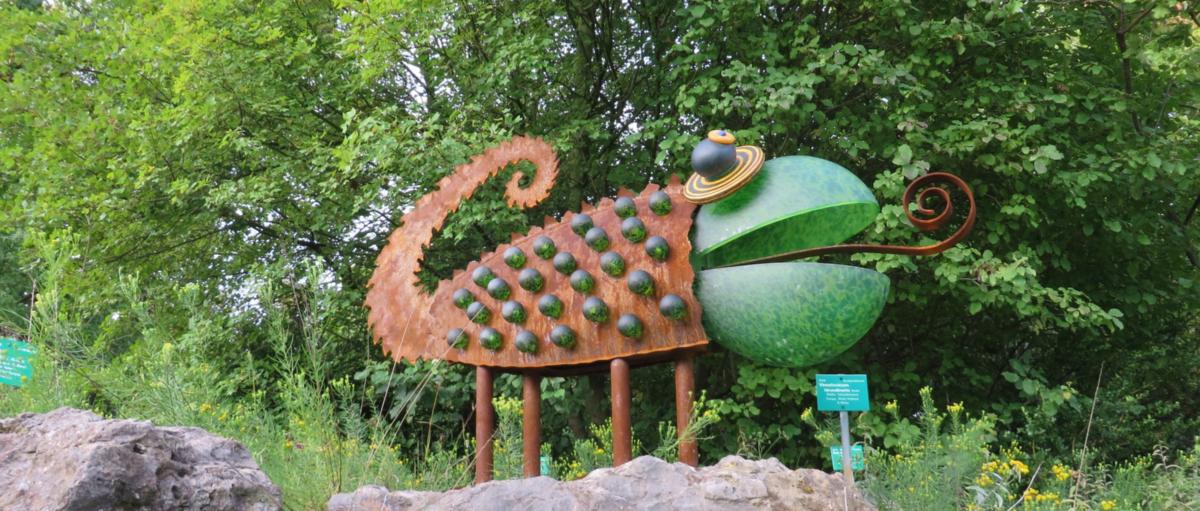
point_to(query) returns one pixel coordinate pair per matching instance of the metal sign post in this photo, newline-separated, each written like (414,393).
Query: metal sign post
(843,393)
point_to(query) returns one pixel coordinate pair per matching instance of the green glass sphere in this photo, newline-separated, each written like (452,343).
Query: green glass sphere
(564,262)
(625,207)
(633,229)
(463,298)
(595,310)
(630,326)
(499,289)
(563,337)
(580,223)
(544,247)
(640,283)
(513,312)
(657,248)
(490,338)
(531,280)
(526,342)
(478,313)
(597,239)
(612,263)
(660,203)
(582,281)
(673,307)
(457,338)
(514,257)
(482,276)
(551,306)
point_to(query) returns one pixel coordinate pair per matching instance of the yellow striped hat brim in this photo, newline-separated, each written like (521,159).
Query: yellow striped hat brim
(701,190)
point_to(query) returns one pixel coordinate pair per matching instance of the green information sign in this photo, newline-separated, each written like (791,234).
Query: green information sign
(842,393)
(16,364)
(856,457)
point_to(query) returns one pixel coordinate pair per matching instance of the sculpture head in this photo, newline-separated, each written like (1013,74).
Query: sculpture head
(758,299)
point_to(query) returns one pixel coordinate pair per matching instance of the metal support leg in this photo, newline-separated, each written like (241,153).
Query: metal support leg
(622,431)
(532,439)
(485,418)
(685,384)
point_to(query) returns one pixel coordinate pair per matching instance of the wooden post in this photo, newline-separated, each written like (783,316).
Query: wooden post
(622,429)
(532,414)
(485,418)
(685,384)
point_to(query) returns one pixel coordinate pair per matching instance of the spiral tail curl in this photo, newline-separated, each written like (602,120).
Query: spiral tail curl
(394,287)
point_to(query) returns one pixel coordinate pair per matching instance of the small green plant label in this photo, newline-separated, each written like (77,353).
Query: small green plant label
(842,393)
(16,367)
(856,457)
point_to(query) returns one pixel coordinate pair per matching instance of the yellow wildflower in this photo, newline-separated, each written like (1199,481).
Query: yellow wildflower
(599,451)
(1060,472)
(1030,494)
(890,406)
(224,417)
(287,444)
(806,415)
(1107,505)
(1019,467)
(205,408)
(955,408)
(983,480)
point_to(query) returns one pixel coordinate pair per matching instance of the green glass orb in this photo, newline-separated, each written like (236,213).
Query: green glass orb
(640,283)
(482,276)
(582,281)
(551,306)
(625,207)
(531,280)
(657,248)
(499,289)
(478,313)
(563,337)
(490,338)
(564,262)
(612,263)
(597,239)
(526,342)
(513,312)
(660,203)
(595,310)
(457,338)
(514,257)
(633,229)
(544,247)
(630,326)
(580,223)
(673,307)
(463,298)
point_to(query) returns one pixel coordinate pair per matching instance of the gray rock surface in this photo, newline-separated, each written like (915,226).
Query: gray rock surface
(74,460)
(645,483)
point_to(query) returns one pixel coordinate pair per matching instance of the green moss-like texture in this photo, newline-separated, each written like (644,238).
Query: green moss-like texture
(795,202)
(790,314)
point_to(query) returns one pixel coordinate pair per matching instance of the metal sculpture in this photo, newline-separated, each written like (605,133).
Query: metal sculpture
(645,278)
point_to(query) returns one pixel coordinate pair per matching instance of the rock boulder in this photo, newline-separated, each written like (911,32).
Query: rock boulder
(74,460)
(645,483)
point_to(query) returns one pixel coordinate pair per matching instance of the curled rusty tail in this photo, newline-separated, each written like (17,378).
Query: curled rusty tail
(393,290)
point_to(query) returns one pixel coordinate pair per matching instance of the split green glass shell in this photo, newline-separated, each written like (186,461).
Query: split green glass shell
(795,202)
